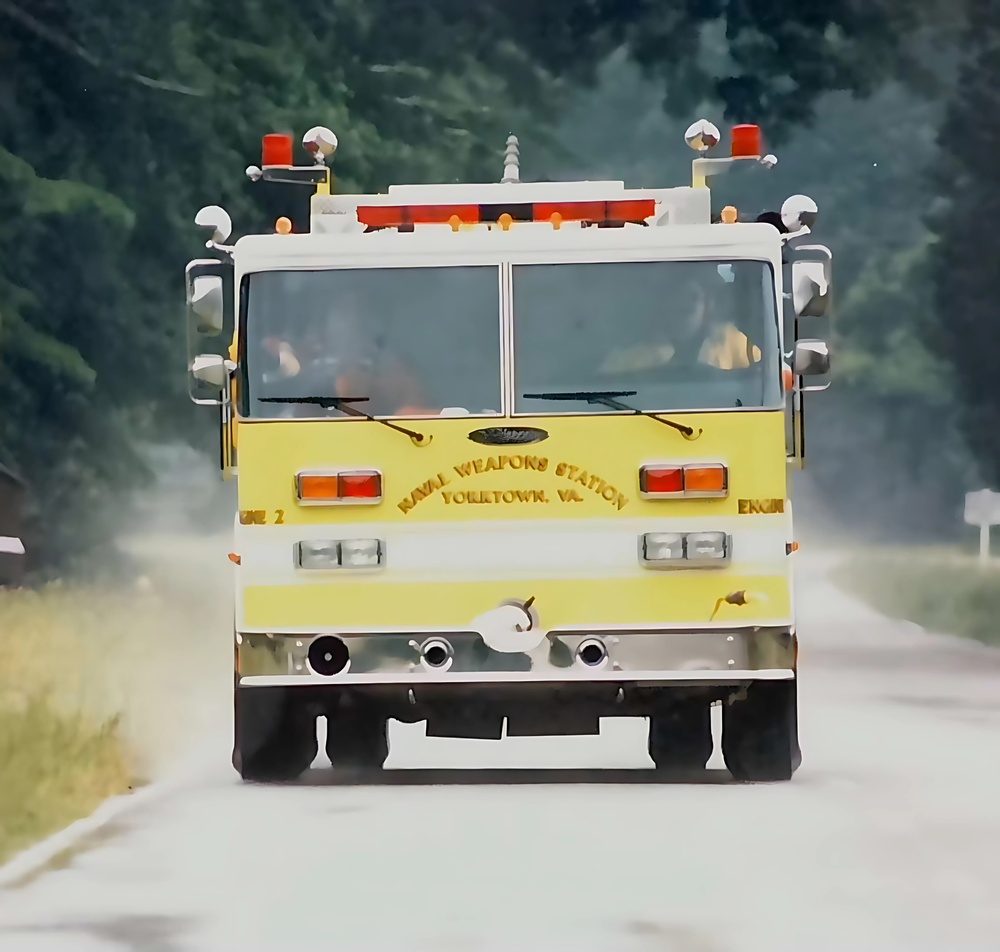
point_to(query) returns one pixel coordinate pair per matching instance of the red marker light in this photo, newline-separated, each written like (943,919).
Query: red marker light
(661,479)
(746,141)
(360,486)
(276,150)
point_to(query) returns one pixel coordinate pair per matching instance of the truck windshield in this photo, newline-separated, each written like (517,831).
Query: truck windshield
(413,341)
(678,335)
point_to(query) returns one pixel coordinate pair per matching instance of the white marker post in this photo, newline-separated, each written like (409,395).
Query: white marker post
(982,509)
(11,545)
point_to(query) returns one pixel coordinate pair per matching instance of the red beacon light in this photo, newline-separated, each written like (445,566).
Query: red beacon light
(276,151)
(745,142)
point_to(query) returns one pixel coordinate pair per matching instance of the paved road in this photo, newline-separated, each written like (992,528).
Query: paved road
(887,839)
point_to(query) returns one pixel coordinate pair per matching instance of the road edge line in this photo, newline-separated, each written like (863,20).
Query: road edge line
(30,861)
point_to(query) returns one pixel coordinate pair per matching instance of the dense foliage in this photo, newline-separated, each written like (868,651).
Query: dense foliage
(118,120)
(967,330)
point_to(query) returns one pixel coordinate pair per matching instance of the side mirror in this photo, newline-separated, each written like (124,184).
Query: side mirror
(206,300)
(810,288)
(210,323)
(808,279)
(209,297)
(812,358)
(212,369)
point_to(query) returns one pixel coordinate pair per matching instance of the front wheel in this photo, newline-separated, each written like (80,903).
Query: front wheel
(275,734)
(760,733)
(680,737)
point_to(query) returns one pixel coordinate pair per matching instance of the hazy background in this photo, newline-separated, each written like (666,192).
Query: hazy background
(120,119)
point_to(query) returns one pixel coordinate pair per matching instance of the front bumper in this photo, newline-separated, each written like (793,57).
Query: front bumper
(723,656)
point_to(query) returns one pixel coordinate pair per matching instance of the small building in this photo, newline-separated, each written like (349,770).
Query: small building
(13,496)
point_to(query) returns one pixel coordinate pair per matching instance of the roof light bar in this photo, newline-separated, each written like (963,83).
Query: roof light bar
(606,214)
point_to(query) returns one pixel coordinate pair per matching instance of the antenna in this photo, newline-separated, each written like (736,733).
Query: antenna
(511,165)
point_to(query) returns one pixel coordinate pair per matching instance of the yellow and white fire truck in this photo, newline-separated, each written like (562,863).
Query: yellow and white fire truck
(511,457)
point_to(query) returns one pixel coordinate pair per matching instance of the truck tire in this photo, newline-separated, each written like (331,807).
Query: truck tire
(760,733)
(275,734)
(680,737)
(358,740)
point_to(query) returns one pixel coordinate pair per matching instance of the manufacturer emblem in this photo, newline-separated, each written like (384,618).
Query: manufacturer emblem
(508,435)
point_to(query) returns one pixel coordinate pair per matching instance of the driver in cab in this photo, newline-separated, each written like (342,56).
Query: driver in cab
(689,336)
(337,357)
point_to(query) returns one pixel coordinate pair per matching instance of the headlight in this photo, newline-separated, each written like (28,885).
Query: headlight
(706,545)
(680,548)
(360,553)
(319,554)
(662,546)
(343,553)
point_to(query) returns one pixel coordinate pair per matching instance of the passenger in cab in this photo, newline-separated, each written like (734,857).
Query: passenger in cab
(690,334)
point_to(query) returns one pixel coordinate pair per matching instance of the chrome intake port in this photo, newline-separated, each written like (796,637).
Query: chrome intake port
(592,652)
(328,656)
(436,654)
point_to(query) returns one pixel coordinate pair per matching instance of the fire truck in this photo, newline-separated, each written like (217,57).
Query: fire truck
(511,458)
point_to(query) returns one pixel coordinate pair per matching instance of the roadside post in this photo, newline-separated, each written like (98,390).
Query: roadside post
(982,508)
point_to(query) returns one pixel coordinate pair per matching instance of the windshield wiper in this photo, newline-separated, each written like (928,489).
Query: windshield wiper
(608,399)
(344,404)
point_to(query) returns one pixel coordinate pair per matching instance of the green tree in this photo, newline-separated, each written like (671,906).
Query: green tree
(117,122)
(966,279)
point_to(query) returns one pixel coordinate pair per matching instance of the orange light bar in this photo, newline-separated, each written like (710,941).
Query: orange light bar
(600,213)
(317,488)
(705,479)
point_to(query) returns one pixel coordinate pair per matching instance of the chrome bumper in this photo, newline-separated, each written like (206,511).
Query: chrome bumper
(694,657)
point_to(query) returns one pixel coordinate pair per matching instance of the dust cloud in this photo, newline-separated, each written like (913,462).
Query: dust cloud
(174,678)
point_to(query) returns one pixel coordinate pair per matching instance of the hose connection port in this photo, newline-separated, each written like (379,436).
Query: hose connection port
(592,652)
(436,654)
(328,656)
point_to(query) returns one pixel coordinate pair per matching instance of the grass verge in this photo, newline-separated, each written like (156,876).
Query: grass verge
(101,686)
(941,589)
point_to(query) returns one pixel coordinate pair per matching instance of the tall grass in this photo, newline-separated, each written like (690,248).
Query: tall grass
(101,686)
(941,589)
